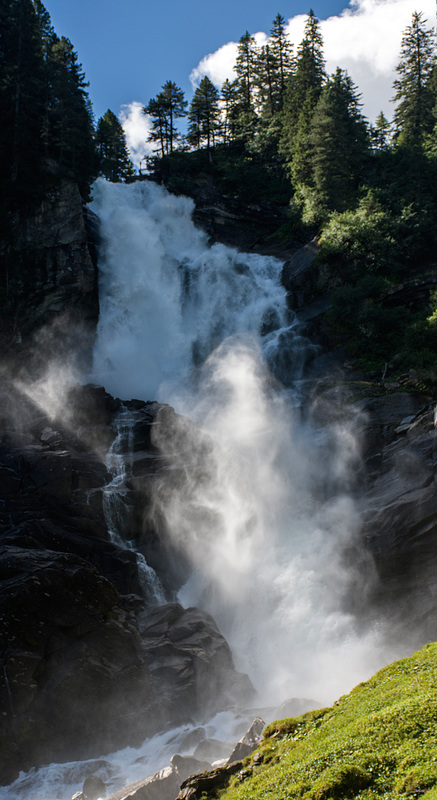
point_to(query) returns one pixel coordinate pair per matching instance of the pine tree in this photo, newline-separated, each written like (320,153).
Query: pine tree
(414,113)
(114,162)
(156,111)
(204,115)
(168,106)
(302,93)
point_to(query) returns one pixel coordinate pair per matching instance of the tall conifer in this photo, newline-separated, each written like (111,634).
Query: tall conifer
(114,161)
(339,142)
(302,93)
(414,112)
(204,115)
(168,106)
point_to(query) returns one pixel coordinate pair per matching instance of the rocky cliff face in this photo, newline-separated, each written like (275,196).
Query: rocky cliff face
(49,290)
(88,664)
(396,492)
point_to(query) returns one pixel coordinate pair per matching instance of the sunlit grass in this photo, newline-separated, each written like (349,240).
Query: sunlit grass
(379,741)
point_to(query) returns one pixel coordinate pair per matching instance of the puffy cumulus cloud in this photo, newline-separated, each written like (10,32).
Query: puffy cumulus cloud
(136,126)
(220,65)
(364,39)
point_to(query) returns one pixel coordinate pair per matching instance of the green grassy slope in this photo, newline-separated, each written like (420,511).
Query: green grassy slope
(379,741)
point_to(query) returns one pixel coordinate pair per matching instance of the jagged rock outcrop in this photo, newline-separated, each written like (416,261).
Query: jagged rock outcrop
(249,742)
(49,297)
(87,666)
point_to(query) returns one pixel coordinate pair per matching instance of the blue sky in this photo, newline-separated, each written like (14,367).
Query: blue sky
(129,49)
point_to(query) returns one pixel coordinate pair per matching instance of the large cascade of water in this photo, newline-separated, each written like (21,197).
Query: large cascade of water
(261,507)
(263,512)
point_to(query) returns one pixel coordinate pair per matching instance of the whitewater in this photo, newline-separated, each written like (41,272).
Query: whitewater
(266,517)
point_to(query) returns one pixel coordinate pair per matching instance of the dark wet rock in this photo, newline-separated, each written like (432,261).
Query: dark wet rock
(93,789)
(88,667)
(299,275)
(384,414)
(400,518)
(52,303)
(192,660)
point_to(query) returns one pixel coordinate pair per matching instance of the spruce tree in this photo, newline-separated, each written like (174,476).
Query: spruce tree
(265,81)
(414,113)
(70,119)
(114,162)
(245,67)
(380,132)
(204,115)
(339,143)
(302,93)
(282,52)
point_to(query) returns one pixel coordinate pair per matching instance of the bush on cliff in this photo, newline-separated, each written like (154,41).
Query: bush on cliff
(379,741)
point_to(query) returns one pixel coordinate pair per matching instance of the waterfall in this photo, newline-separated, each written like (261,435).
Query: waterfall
(261,508)
(115,505)
(260,503)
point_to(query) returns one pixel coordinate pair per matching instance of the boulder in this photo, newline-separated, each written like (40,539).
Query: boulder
(208,783)
(164,784)
(192,661)
(249,742)
(213,750)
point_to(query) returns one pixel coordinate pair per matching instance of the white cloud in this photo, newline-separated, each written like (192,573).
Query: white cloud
(220,65)
(364,39)
(137,127)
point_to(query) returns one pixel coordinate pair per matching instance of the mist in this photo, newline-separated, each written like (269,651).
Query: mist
(260,503)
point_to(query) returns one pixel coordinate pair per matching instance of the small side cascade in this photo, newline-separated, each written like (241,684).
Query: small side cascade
(116,509)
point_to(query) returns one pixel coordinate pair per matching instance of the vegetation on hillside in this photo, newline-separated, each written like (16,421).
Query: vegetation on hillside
(284,131)
(379,741)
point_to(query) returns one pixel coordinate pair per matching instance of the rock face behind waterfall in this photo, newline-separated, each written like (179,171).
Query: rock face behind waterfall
(86,668)
(50,298)
(397,494)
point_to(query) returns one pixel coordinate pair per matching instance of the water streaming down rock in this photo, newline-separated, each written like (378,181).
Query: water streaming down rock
(260,506)
(116,509)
